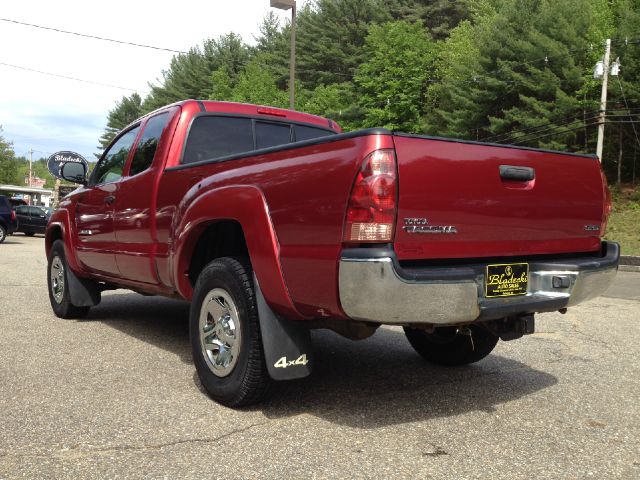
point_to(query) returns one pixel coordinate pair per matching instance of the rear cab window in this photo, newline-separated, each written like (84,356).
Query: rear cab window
(212,137)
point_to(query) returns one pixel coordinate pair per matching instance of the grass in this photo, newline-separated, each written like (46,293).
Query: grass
(624,222)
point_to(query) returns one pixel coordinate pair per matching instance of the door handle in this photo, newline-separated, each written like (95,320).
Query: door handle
(517,174)
(109,199)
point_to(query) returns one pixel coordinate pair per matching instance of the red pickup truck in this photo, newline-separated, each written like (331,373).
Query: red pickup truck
(273,222)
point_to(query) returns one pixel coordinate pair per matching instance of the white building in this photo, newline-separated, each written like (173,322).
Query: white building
(38,196)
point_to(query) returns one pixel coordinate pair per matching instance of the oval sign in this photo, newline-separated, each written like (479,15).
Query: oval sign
(58,158)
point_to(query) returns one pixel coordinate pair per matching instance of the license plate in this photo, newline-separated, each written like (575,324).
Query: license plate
(506,280)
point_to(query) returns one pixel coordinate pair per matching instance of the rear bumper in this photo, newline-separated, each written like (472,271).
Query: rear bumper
(374,287)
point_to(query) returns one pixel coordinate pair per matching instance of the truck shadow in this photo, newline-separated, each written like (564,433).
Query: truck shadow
(381,381)
(159,321)
(373,383)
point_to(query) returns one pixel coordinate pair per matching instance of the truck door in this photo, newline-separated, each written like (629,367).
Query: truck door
(95,207)
(134,212)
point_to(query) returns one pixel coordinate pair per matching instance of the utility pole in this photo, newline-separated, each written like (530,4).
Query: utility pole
(603,100)
(286,5)
(292,68)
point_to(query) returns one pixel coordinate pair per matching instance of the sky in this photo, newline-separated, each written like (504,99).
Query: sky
(49,114)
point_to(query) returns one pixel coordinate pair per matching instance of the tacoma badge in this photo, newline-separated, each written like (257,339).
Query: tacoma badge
(421,225)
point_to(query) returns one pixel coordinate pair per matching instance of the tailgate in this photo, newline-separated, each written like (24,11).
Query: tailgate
(455,203)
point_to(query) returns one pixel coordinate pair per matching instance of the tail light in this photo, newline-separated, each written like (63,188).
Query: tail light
(13,215)
(371,211)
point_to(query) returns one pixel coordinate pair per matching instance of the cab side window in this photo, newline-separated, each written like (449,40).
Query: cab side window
(110,167)
(148,144)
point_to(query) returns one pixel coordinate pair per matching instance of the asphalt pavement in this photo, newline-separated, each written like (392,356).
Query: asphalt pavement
(116,396)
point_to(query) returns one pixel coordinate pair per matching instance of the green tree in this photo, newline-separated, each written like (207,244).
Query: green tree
(331,36)
(221,85)
(337,102)
(190,74)
(127,110)
(438,16)
(8,163)
(256,85)
(392,83)
(531,57)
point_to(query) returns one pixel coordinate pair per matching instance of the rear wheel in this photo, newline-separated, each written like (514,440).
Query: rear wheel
(448,346)
(3,233)
(225,334)
(59,294)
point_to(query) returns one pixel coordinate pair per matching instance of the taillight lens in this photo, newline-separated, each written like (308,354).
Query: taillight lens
(13,215)
(371,211)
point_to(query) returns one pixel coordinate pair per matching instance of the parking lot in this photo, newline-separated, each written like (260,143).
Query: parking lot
(116,396)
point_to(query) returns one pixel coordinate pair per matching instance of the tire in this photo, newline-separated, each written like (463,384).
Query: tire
(29,234)
(446,347)
(3,233)
(225,334)
(58,285)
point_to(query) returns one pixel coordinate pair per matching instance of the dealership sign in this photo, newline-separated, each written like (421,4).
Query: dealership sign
(59,158)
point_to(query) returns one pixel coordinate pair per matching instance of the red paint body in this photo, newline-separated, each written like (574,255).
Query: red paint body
(291,205)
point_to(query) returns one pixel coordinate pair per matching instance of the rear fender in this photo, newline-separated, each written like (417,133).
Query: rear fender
(246,205)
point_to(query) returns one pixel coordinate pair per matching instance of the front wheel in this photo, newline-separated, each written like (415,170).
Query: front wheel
(57,279)
(452,346)
(225,334)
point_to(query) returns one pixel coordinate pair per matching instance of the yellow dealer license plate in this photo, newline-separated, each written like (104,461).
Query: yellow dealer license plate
(506,280)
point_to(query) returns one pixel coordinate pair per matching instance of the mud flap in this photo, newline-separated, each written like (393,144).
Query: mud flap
(287,345)
(83,293)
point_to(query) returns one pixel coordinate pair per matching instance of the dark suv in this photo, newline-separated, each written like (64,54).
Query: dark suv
(8,221)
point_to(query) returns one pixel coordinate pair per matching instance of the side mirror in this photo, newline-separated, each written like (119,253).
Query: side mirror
(69,166)
(74,172)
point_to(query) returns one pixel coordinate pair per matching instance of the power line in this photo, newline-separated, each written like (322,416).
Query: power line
(566,130)
(551,130)
(560,121)
(625,102)
(95,37)
(70,78)
(556,123)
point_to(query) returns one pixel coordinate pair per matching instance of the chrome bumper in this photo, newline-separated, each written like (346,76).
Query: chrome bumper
(373,287)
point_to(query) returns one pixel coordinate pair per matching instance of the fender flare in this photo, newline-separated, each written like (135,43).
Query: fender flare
(246,205)
(60,220)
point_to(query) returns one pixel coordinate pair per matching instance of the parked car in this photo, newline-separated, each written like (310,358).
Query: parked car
(16,202)
(32,220)
(272,222)
(8,221)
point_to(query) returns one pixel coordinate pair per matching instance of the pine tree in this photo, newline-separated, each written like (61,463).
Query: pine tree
(126,111)
(331,36)
(190,74)
(526,75)
(438,16)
